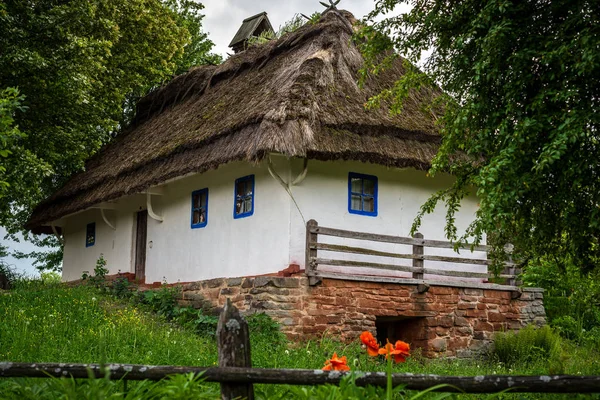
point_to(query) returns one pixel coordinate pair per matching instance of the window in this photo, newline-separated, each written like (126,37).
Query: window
(199,208)
(244,197)
(362,194)
(90,234)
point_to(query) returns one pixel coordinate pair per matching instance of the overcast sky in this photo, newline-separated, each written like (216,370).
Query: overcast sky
(221,22)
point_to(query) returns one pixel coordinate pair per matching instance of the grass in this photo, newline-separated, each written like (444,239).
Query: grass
(60,324)
(53,323)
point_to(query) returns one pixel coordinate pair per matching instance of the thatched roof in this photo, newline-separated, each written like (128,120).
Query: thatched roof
(297,96)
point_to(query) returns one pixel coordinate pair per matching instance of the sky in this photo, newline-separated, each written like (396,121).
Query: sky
(222,20)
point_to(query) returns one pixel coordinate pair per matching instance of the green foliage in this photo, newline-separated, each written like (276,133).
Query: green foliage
(122,288)
(572,297)
(79,67)
(98,279)
(520,122)
(182,387)
(162,301)
(10,103)
(527,345)
(346,390)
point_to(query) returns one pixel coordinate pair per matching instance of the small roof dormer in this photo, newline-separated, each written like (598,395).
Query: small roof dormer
(251,26)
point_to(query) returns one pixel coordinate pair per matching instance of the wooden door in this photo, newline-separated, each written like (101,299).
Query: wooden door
(140,246)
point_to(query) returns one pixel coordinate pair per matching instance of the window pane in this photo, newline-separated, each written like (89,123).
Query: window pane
(356,203)
(356,185)
(90,234)
(196,219)
(203,215)
(238,205)
(195,201)
(243,187)
(248,204)
(202,200)
(369,186)
(368,204)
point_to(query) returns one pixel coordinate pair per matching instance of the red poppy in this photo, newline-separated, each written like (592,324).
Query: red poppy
(336,364)
(400,351)
(368,340)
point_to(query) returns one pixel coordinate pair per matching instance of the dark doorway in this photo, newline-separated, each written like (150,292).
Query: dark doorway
(411,330)
(140,246)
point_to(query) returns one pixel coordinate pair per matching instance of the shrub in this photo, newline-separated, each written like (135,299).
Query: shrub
(572,298)
(7,276)
(122,288)
(163,301)
(100,272)
(530,344)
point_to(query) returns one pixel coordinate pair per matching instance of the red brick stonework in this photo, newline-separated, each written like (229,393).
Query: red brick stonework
(444,321)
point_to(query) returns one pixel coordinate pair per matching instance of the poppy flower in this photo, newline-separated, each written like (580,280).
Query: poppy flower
(399,351)
(368,340)
(336,364)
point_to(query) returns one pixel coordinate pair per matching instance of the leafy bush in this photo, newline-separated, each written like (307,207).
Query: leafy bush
(98,279)
(528,345)
(122,288)
(162,301)
(7,276)
(572,298)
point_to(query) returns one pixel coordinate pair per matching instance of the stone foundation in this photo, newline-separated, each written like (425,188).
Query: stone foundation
(443,321)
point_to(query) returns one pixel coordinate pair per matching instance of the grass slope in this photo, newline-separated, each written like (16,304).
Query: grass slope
(42,323)
(61,324)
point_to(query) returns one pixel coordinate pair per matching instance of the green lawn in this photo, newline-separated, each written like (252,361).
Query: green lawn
(41,323)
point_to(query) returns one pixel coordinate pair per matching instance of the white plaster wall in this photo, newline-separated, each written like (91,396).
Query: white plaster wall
(226,247)
(271,238)
(114,245)
(323,196)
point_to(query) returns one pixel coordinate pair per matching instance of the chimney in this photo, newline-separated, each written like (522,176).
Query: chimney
(251,26)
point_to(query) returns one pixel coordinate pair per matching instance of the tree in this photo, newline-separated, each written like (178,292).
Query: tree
(79,66)
(521,121)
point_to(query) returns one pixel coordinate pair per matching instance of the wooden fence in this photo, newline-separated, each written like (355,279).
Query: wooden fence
(236,375)
(418,242)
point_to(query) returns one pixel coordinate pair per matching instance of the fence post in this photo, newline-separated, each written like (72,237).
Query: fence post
(418,263)
(233,342)
(311,253)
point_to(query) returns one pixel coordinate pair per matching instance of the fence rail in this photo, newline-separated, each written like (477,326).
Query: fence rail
(313,246)
(244,376)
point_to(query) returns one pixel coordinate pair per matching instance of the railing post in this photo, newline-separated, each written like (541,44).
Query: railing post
(233,344)
(311,252)
(510,270)
(418,262)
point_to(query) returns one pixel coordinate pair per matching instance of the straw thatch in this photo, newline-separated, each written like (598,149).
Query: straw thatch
(297,96)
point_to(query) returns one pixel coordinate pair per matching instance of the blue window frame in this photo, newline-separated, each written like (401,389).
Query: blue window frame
(243,205)
(362,194)
(199,217)
(90,234)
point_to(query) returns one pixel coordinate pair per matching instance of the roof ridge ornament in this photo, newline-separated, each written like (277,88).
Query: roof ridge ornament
(331,6)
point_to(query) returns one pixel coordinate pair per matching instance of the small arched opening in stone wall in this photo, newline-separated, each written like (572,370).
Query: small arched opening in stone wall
(411,330)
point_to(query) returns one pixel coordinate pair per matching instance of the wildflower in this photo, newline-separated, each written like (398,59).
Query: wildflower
(336,364)
(400,351)
(370,342)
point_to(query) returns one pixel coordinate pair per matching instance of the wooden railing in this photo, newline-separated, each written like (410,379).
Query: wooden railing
(418,242)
